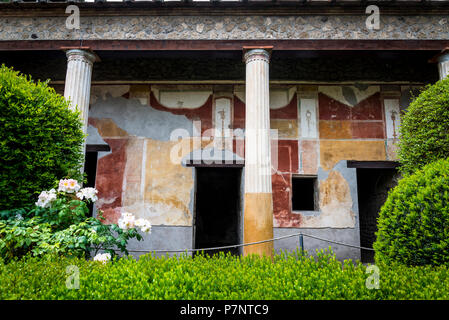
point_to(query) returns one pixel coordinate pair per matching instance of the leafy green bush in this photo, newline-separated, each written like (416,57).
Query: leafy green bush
(424,128)
(58,224)
(290,276)
(40,139)
(413,224)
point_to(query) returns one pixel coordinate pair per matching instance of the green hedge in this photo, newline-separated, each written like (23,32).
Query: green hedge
(289,276)
(413,224)
(424,129)
(40,139)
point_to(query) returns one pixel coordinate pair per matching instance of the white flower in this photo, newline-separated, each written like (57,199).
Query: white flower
(88,194)
(46,198)
(126,221)
(68,185)
(144,225)
(127,215)
(103,257)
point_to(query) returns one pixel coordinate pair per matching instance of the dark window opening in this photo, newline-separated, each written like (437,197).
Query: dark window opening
(304,193)
(372,188)
(217,212)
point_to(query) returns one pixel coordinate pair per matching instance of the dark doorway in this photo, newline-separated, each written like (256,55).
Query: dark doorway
(373,185)
(90,166)
(90,169)
(217,214)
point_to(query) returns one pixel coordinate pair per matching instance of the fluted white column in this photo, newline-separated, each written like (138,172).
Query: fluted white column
(443,65)
(78,80)
(258,212)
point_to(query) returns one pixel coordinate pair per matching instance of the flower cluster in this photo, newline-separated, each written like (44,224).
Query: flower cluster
(144,225)
(128,221)
(68,185)
(88,194)
(103,257)
(46,198)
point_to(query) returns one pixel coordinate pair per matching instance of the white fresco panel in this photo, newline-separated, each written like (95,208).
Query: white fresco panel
(183,99)
(392,117)
(222,117)
(308,117)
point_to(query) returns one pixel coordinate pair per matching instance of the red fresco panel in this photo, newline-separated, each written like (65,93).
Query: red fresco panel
(287,152)
(282,214)
(238,147)
(239,113)
(368,109)
(367,130)
(109,179)
(290,111)
(331,109)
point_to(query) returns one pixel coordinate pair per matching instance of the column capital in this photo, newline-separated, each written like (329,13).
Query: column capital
(441,56)
(81,55)
(257,53)
(444,56)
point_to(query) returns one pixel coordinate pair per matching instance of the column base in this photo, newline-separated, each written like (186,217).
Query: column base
(258,223)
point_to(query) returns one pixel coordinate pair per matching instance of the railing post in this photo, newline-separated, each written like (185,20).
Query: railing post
(301,243)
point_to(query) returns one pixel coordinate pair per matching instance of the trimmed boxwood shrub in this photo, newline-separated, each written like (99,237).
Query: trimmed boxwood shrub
(413,224)
(288,277)
(40,139)
(424,128)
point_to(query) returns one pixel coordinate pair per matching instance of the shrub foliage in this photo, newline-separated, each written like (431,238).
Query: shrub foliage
(40,139)
(425,128)
(288,276)
(61,228)
(413,224)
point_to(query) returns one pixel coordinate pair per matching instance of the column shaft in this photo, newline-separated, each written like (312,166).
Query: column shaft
(443,65)
(258,211)
(78,82)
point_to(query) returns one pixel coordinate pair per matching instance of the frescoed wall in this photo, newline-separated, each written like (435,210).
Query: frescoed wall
(318,128)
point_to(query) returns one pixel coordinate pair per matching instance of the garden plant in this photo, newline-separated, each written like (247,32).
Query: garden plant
(41,139)
(59,223)
(414,221)
(424,130)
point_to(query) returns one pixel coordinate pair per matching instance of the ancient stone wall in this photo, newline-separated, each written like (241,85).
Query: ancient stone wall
(226,27)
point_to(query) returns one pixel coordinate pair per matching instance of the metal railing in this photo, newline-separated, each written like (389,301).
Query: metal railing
(299,235)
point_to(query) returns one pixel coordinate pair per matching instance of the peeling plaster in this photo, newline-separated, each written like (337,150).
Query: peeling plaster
(337,199)
(148,190)
(93,137)
(139,120)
